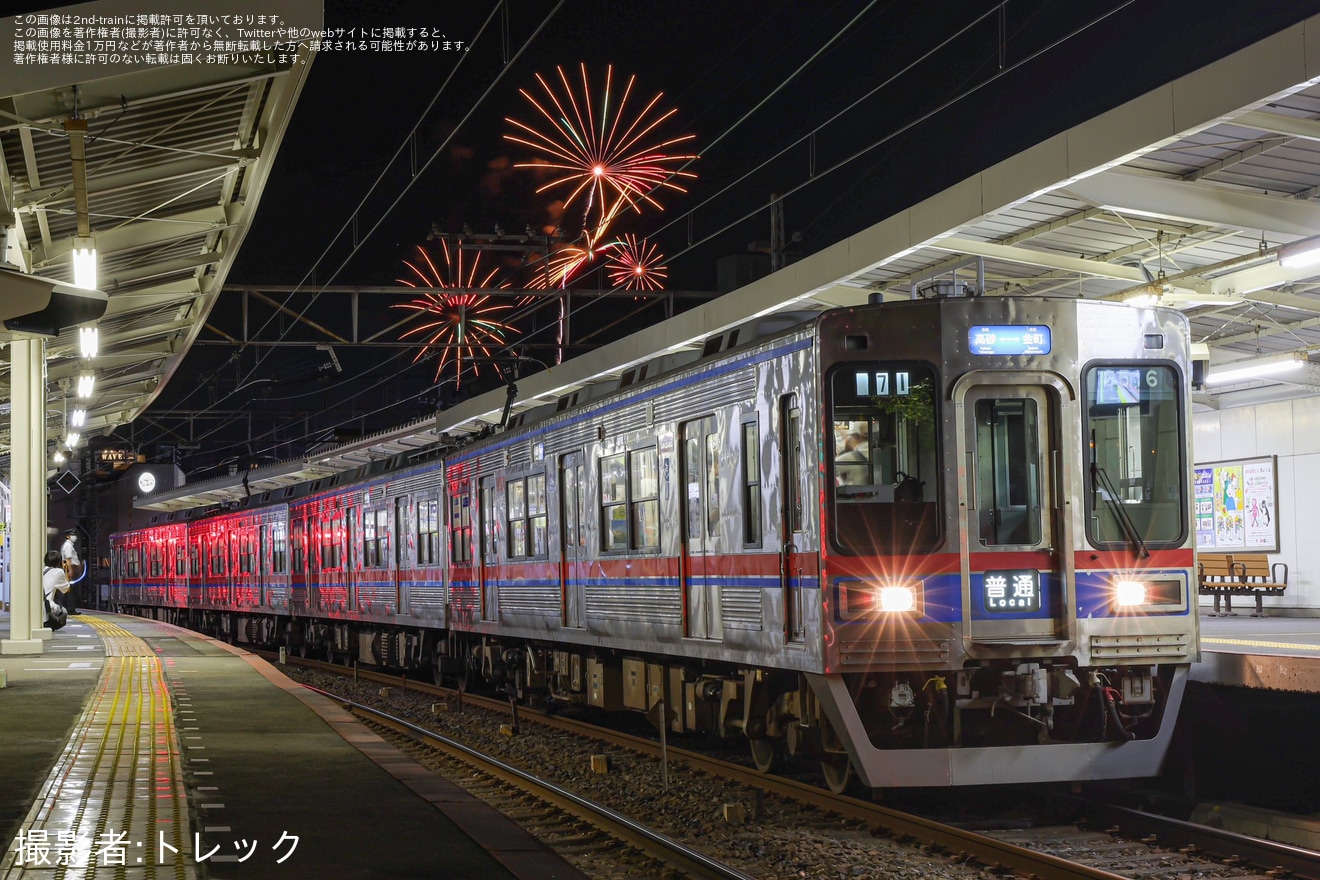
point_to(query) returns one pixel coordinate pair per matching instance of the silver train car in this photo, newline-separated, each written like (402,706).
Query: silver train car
(930,543)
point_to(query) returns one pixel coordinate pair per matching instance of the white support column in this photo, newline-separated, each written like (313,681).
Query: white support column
(27,419)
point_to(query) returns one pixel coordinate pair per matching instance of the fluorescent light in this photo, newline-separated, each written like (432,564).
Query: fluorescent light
(77,418)
(58,457)
(1256,368)
(85,384)
(1300,255)
(71,439)
(88,341)
(84,263)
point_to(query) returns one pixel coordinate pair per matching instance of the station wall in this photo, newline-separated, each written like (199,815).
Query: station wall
(1290,430)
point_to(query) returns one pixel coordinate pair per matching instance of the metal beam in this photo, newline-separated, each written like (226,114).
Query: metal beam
(1042,259)
(1198,203)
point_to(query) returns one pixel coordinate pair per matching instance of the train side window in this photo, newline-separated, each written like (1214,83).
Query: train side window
(460,525)
(278,548)
(376,538)
(516,492)
(299,546)
(751,494)
(195,560)
(792,477)
(614,503)
(712,483)
(400,529)
(536,514)
(428,532)
(645,498)
(488,519)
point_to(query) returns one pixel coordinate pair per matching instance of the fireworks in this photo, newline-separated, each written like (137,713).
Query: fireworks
(604,155)
(635,264)
(462,325)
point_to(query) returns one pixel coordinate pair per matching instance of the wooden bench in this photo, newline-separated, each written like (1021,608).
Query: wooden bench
(1239,574)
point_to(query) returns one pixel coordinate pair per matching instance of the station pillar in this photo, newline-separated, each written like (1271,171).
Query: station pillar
(27,460)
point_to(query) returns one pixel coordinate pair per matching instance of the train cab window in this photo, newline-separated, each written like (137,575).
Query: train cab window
(751,495)
(882,458)
(644,498)
(614,503)
(1136,481)
(460,526)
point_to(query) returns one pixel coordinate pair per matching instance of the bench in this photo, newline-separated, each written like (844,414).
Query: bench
(1239,574)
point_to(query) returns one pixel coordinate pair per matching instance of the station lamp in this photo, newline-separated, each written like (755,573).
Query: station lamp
(77,418)
(88,341)
(84,263)
(71,440)
(1256,368)
(86,382)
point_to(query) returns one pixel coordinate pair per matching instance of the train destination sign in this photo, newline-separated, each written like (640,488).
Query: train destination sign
(1015,590)
(1009,339)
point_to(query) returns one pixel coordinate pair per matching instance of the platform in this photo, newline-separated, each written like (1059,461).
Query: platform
(1271,653)
(140,750)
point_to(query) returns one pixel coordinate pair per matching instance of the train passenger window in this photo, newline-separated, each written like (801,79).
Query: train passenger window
(278,548)
(216,555)
(428,532)
(792,445)
(1136,480)
(299,546)
(376,538)
(882,458)
(712,483)
(613,503)
(645,498)
(751,495)
(400,529)
(195,560)
(536,514)
(460,526)
(180,560)
(488,519)
(517,510)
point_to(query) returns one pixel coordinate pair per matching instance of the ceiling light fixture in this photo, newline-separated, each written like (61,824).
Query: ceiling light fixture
(1256,368)
(71,440)
(88,341)
(58,457)
(77,418)
(84,263)
(85,384)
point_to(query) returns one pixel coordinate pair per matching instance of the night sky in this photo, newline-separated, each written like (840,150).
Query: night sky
(905,98)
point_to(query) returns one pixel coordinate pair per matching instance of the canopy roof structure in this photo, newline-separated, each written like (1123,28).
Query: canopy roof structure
(158,162)
(1196,195)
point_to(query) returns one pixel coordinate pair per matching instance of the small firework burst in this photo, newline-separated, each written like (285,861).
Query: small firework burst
(635,264)
(605,154)
(460,324)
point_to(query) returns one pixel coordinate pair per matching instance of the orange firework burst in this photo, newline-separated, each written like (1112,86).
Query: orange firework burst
(461,324)
(606,155)
(635,264)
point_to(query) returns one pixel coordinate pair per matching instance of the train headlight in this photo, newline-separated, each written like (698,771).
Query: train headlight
(1148,592)
(897,599)
(1130,593)
(858,598)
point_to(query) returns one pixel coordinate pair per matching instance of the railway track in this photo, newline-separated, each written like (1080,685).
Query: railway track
(1132,844)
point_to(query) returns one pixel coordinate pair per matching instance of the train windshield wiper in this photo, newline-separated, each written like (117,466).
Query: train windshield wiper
(1101,485)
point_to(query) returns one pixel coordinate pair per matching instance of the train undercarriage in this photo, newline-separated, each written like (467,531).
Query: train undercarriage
(869,722)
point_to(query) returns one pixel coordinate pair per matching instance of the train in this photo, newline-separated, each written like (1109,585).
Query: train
(936,542)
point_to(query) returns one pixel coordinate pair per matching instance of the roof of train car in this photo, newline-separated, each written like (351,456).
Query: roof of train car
(1189,196)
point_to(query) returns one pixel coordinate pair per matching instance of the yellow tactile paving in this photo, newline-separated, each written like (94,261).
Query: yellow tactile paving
(114,803)
(1257,643)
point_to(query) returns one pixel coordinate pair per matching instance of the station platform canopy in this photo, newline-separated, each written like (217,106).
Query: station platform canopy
(1199,195)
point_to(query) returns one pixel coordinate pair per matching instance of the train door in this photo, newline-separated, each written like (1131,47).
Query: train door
(1015,556)
(490,558)
(573,564)
(702,617)
(791,519)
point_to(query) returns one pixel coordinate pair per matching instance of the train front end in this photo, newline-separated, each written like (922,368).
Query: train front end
(1007,585)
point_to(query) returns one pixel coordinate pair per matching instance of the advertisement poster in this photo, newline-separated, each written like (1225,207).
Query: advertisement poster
(1235,506)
